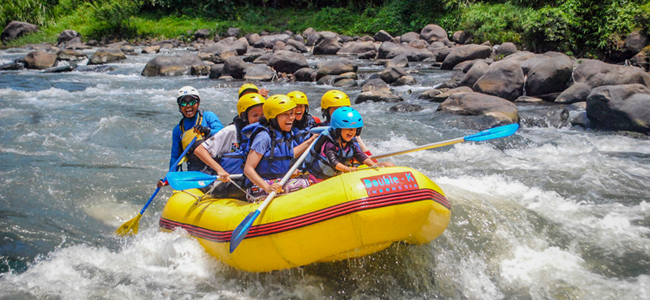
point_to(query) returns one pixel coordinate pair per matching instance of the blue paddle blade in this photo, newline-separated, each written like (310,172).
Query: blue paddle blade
(493,133)
(240,232)
(319,130)
(189,180)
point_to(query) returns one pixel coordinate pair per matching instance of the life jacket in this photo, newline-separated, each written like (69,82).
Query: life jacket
(187,135)
(275,163)
(301,131)
(316,162)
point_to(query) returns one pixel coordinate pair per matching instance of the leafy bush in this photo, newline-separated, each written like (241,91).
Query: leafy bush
(112,18)
(32,11)
(552,29)
(497,23)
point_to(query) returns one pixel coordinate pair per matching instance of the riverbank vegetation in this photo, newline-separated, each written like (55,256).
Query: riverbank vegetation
(585,28)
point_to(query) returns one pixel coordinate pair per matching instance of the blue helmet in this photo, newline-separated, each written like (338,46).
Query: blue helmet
(346,118)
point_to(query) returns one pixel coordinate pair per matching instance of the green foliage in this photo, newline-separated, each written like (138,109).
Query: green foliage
(113,18)
(497,23)
(552,28)
(32,11)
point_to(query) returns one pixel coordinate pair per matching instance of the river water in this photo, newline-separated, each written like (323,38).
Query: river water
(549,213)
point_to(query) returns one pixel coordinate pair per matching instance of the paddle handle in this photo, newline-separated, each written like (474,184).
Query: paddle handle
(149,202)
(423,147)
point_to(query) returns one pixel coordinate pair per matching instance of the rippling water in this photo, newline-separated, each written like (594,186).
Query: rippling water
(550,213)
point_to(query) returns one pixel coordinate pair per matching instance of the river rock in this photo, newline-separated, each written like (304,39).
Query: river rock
(375,85)
(409,37)
(462,53)
(326,80)
(505,49)
(12,67)
(67,54)
(16,29)
(235,67)
(287,62)
(503,79)
(106,55)
(596,73)
(336,67)
(264,59)
(202,34)
(500,110)
(578,92)
(398,61)
(240,47)
(642,59)
(252,38)
(418,44)
(300,46)
(530,62)
(549,76)
(356,48)
(375,96)
(429,94)
(305,74)
(461,37)
(40,60)
(405,107)
(216,71)
(177,65)
(234,32)
(620,107)
(446,94)
(344,82)
(382,36)
(328,43)
(151,49)
(61,69)
(391,73)
(440,54)
(67,36)
(477,70)
(634,43)
(413,54)
(268,41)
(404,80)
(258,73)
(432,33)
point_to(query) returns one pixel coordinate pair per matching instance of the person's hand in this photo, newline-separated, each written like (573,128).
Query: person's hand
(162,183)
(263,92)
(295,173)
(205,131)
(224,176)
(349,169)
(274,187)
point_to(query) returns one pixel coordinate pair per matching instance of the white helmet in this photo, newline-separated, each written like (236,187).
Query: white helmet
(185,91)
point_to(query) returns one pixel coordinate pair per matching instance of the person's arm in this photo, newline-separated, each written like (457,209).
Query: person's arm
(204,156)
(298,150)
(176,142)
(363,146)
(249,170)
(211,120)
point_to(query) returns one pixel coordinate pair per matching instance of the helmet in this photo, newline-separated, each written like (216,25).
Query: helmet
(185,91)
(298,97)
(247,87)
(188,136)
(334,98)
(247,101)
(346,118)
(276,105)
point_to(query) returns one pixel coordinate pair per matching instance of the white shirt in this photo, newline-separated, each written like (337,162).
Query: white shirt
(225,141)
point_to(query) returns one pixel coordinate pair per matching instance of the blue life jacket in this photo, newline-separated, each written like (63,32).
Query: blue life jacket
(316,162)
(275,163)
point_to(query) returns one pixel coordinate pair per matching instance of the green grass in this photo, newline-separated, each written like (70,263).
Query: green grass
(79,20)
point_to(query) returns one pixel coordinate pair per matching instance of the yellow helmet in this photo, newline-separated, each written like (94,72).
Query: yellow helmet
(188,136)
(276,105)
(298,97)
(247,87)
(334,98)
(248,100)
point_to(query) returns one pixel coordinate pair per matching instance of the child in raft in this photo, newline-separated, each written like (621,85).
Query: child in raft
(272,150)
(335,150)
(329,103)
(228,140)
(304,121)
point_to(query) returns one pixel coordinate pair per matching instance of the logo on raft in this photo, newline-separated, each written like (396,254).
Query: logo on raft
(390,183)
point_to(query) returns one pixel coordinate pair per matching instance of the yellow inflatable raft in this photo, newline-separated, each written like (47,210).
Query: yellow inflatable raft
(347,216)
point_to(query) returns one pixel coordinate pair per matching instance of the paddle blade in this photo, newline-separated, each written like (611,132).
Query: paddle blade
(189,180)
(493,133)
(240,232)
(129,227)
(319,129)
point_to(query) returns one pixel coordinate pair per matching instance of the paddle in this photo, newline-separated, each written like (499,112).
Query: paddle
(242,229)
(493,133)
(131,226)
(193,179)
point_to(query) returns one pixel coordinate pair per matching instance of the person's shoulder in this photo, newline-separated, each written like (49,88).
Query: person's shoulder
(210,115)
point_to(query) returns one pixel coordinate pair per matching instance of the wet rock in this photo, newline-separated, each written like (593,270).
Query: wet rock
(621,107)
(328,43)
(528,99)
(216,71)
(306,74)
(413,54)
(634,43)
(12,67)
(446,94)
(356,48)
(344,82)
(202,34)
(61,69)
(382,36)
(235,67)
(642,59)
(461,37)
(398,61)
(16,29)
(253,54)
(264,59)
(432,33)
(404,80)
(463,53)
(258,73)
(405,107)
(477,70)
(327,80)
(374,96)
(368,55)
(504,50)
(287,62)
(67,36)
(40,60)
(392,73)
(253,38)
(549,76)
(176,65)
(200,70)
(545,116)
(106,55)
(575,93)
(151,49)
(234,32)
(596,73)
(441,54)
(410,37)
(500,110)
(300,46)
(503,79)
(268,41)
(68,54)
(429,94)
(375,85)
(336,67)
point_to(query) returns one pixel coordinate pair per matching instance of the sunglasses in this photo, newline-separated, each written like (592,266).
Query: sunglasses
(186,103)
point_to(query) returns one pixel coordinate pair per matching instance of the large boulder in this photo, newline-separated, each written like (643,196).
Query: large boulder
(287,61)
(477,70)
(356,48)
(15,29)
(201,34)
(578,92)
(413,54)
(375,85)
(382,36)
(461,37)
(499,110)
(445,95)
(549,76)
(620,107)
(465,52)
(215,71)
(269,41)
(642,59)
(298,44)
(305,74)
(177,65)
(597,73)
(376,90)
(505,49)
(68,35)
(634,42)
(40,60)
(392,73)
(336,67)
(503,79)
(235,67)
(234,32)
(432,33)
(258,73)
(398,61)
(106,55)
(328,43)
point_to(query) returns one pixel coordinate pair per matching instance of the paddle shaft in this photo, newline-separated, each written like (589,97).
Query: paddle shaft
(424,147)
